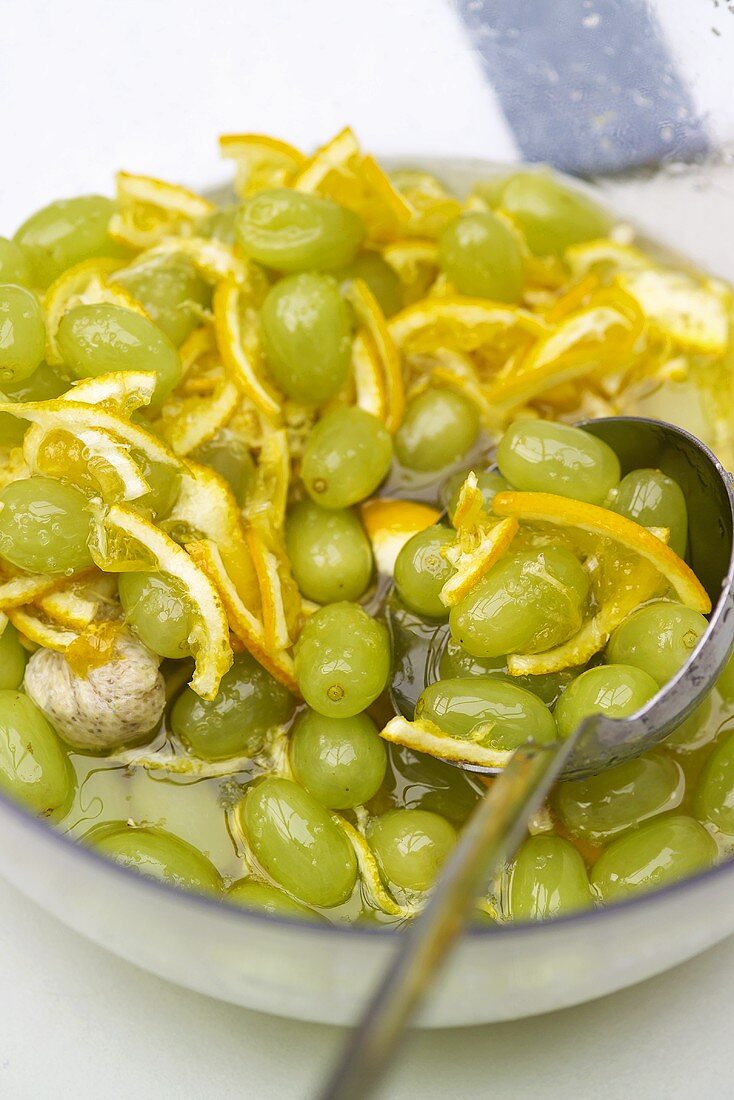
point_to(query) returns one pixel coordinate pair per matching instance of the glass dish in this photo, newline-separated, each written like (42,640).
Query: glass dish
(324,973)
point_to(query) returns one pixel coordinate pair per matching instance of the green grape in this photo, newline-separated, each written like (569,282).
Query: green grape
(616,691)
(22,334)
(455,661)
(490,189)
(488,482)
(410,846)
(539,456)
(725,683)
(13,659)
(421,571)
(547,879)
(381,279)
(170,290)
(219,225)
(347,455)
(157,854)
(653,500)
(249,704)
(101,338)
(528,602)
(165,486)
(340,761)
(481,256)
(306,333)
(714,798)
(438,428)
(44,526)
(342,660)
(660,852)
(228,456)
(658,638)
(293,231)
(422,782)
(487,711)
(551,216)
(695,731)
(297,842)
(330,554)
(249,893)
(155,608)
(34,767)
(43,385)
(603,805)
(14,265)
(65,233)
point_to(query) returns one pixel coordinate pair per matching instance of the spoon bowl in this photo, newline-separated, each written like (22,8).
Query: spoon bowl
(601,742)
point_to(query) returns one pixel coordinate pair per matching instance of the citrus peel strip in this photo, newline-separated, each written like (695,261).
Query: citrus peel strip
(241,358)
(390,523)
(243,624)
(565,512)
(424,736)
(370,872)
(209,636)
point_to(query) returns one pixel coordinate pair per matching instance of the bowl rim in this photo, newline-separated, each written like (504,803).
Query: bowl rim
(474,932)
(230,911)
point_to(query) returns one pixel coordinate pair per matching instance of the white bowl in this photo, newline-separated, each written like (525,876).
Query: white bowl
(324,973)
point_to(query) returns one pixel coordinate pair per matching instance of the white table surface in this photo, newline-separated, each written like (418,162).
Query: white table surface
(87,88)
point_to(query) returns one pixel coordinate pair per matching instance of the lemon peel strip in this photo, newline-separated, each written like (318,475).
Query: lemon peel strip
(244,625)
(42,633)
(424,736)
(373,320)
(121,392)
(85,283)
(150,208)
(260,161)
(21,590)
(209,638)
(464,324)
(390,523)
(370,872)
(240,361)
(565,512)
(198,420)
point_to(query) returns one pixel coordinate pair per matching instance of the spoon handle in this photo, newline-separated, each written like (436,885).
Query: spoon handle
(492,835)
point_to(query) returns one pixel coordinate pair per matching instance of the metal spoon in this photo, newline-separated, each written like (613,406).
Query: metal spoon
(499,822)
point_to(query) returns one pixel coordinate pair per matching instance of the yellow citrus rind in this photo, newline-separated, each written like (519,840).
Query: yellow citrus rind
(424,736)
(123,541)
(565,512)
(390,524)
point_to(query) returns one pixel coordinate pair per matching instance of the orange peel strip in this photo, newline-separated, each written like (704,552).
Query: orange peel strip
(241,362)
(565,512)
